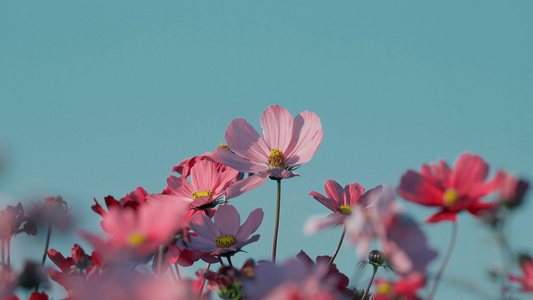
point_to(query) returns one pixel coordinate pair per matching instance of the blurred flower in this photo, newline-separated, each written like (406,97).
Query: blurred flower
(526,266)
(133,200)
(452,190)
(342,201)
(138,233)
(226,235)
(286,144)
(53,212)
(32,276)
(512,189)
(38,296)
(405,288)
(8,285)
(11,219)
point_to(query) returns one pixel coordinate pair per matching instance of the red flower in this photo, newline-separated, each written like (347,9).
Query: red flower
(133,200)
(453,190)
(38,296)
(526,266)
(405,288)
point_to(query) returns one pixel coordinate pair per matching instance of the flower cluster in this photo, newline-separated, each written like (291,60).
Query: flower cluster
(190,220)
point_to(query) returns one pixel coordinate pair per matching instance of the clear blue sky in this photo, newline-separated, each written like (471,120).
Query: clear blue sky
(100,97)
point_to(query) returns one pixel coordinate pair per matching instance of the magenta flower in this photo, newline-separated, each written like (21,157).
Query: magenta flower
(526,266)
(341,201)
(285,144)
(452,190)
(225,236)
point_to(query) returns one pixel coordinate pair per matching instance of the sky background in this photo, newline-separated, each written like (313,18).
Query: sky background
(100,97)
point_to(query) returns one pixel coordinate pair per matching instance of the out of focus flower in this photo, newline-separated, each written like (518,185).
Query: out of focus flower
(11,220)
(512,189)
(225,236)
(32,276)
(332,274)
(132,200)
(38,296)
(342,201)
(75,268)
(52,212)
(452,190)
(526,266)
(8,285)
(286,144)
(405,288)
(138,233)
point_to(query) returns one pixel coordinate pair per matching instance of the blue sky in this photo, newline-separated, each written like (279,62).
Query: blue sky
(99,98)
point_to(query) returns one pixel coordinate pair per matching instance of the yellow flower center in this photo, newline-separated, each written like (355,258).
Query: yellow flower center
(450,197)
(225,241)
(202,193)
(137,239)
(276,159)
(345,209)
(384,288)
(225,147)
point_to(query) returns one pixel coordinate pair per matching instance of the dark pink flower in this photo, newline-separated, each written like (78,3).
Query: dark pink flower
(341,201)
(526,266)
(73,270)
(511,189)
(38,296)
(285,144)
(452,190)
(226,235)
(132,199)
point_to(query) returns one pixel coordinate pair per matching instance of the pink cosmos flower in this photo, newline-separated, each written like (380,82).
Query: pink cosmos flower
(133,200)
(139,233)
(225,236)
(286,144)
(511,189)
(405,288)
(341,201)
(526,266)
(452,190)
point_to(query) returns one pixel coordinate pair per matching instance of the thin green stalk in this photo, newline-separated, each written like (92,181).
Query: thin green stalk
(275,243)
(46,245)
(338,247)
(446,258)
(370,283)
(204,279)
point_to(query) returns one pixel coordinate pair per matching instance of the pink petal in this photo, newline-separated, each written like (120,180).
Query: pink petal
(238,163)
(306,138)
(282,173)
(250,225)
(335,192)
(180,186)
(242,186)
(317,223)
(276,123)
(246,142)
(331,204)
(204,175)
(370,196)
(202,244)
(352,193)
(204,227)
(442,216)
(254,238)
(227,219)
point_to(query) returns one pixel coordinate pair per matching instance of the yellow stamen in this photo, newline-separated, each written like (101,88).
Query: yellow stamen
(450,197)
(345,209)
(137,239)
(225,147)
(276,159)
(225,241)
(202,193)
(384,288)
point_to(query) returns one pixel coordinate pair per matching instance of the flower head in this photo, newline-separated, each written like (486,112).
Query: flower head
(286,143)
(452,190)
(405,288)
(225,236)
(132,200)
(526,266)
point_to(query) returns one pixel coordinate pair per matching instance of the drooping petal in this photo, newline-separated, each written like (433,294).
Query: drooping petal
(246,142)
(370,196)
(442,216)
(317,223)
(250,225)
(242,186)
(306,138)
(202,244)
(238,163)
(331,204)
(276,123)
(227,219)
(180,186)
(252,239)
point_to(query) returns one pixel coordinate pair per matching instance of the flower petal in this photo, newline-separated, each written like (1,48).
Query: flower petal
(227,219)
(204,227)
(242,186)
(204,175)
(246,142)
(276,123)
(306,138)
(238,163)
(250,225)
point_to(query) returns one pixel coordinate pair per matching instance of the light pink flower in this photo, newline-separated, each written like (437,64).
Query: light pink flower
(139,233)
(285,144)
(341,201)
(452,190)
(225,235)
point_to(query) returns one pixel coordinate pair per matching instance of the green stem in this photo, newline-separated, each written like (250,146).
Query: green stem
(46,245)
(204,279)
(275,243)
(338,247)
(446,258)
(370,283)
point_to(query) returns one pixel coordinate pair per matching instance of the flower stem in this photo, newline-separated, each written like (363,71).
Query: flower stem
(446,258)
(338,247)
(204,279)
(229,261)
(177,270)
(47,244)
(370,283)
(3,255)
(275,243)
(159,260)
(8,245)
